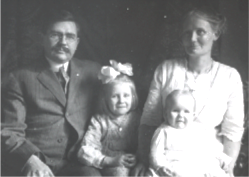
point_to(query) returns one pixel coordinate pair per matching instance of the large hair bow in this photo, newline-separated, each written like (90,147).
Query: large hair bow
(109,73)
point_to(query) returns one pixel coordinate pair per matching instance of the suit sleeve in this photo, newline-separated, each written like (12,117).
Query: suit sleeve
(16,149)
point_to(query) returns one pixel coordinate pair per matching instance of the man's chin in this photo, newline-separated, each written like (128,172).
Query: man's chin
(61,59)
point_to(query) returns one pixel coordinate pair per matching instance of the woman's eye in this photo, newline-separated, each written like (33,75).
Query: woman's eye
(187,111)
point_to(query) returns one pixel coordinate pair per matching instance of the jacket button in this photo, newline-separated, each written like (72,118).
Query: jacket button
(60,140)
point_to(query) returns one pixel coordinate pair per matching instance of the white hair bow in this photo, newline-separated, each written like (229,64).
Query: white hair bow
(109,73)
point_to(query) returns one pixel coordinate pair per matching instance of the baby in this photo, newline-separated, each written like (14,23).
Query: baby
(183,147)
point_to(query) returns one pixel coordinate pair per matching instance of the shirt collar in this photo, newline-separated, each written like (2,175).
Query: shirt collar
(55,66)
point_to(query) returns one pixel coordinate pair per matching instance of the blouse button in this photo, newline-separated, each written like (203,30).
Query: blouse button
(60,140)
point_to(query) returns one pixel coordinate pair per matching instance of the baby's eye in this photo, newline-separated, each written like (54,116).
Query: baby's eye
(127,95)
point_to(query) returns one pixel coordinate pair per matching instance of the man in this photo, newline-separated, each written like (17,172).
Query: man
(44,116)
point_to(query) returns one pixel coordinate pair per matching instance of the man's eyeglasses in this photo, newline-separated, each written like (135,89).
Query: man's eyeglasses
(70,38)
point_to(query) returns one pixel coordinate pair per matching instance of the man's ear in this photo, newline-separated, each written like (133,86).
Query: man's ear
(78,41)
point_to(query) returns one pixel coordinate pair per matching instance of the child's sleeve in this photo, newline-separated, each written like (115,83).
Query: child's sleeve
(157,155)
(90,151)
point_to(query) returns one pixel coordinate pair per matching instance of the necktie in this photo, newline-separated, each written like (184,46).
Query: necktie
(63,78)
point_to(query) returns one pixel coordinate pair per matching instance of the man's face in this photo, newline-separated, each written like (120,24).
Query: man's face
(61,41)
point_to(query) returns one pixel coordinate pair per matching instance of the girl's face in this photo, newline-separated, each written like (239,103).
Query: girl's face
(198,36)
(119,98)
(180,112)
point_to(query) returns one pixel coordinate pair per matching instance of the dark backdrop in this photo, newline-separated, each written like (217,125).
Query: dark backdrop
(142,32)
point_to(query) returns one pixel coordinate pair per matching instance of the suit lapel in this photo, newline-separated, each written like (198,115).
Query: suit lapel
(75,76)
(49,80)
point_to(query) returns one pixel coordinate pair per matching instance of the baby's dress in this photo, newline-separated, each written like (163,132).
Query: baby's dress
(189,152)
(109,137)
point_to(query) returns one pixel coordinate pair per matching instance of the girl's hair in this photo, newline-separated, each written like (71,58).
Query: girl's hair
(216,20)
(103,108)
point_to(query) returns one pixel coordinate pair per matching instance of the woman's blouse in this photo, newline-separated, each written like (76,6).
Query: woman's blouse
(218,95)
(108,136)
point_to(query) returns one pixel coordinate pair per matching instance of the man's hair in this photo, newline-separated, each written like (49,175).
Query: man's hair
(58,16)
(103,108)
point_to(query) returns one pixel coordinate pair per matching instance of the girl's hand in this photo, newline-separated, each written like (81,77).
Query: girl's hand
(127,160)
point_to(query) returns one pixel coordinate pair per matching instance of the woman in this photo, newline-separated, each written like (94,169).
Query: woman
(217,88)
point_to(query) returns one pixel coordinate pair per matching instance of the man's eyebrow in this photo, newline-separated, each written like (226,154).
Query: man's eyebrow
(53,31)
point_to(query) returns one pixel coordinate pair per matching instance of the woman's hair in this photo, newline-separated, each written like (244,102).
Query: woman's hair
(216,20)
(103,108)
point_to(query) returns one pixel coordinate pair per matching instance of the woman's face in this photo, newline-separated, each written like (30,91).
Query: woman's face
(198,36)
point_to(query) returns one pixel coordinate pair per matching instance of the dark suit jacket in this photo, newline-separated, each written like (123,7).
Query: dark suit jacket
(37,118)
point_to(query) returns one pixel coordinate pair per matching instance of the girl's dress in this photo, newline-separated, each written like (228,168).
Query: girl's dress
(107,136)
(189,151)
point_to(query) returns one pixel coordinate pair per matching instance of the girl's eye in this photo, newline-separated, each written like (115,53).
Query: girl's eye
(114,96)
(187,111)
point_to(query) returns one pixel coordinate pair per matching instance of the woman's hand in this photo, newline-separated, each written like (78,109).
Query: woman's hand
(127,160)
(163,171)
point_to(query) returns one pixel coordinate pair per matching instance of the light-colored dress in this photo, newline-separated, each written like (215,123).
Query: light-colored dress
(218,94)
(108,136)
(188,152)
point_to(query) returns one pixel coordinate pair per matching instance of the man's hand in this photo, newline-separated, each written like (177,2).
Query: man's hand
(36,168)
(127,160)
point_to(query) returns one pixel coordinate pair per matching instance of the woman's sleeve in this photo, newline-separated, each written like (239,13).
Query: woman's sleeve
(153,108)
(157,154)
(90,151)
(232,125)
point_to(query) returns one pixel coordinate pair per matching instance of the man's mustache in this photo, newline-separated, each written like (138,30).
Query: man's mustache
(64,48)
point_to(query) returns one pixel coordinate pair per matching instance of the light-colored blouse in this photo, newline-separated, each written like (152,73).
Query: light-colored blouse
(218,95)
(108,136)
(190,150)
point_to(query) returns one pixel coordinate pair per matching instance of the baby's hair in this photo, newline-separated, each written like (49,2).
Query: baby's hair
(175,93)
(122,78)
(216,20)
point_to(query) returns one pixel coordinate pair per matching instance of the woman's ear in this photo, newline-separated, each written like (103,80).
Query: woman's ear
(216,35)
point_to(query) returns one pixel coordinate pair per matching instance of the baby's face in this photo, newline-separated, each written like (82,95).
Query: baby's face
(180,112)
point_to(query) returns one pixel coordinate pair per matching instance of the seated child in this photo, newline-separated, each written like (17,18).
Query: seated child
(183,147)
(110,142)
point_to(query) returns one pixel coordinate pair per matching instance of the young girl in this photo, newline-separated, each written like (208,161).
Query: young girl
(182,147)
(111,140)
